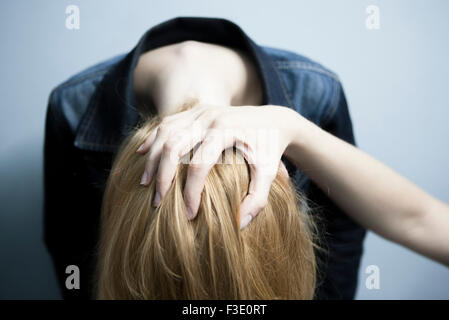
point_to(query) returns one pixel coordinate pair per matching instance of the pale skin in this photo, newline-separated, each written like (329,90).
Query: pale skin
(217,77)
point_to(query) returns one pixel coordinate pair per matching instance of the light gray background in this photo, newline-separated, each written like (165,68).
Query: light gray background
(395,80)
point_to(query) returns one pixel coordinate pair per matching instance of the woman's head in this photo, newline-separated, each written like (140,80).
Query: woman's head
(148,252)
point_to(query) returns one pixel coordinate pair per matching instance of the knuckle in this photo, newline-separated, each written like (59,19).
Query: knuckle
(161,180)
(168,147)
(163,128)
(195,169)
(208,112)
(218,123)
(205,120)
(148,167)
(151,160)
(175,140)
(189,195)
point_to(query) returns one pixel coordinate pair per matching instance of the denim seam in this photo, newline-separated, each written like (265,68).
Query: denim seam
(99,145)
(284,89)
(333,106)
(85,126)
(263,72)
(305,66)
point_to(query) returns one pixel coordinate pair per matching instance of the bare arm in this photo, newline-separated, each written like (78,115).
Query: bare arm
(368,191)
(371,193)
(374,195)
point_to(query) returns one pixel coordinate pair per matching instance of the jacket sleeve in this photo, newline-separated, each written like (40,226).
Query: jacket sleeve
(69,220)
(342,237)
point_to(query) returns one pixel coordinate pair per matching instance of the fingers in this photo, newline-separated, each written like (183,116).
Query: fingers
(174,137)
(166,171)
(257,197)
(167,129)
(203,160)
(154,154)
(148,142)
(178,120)
(172,151)
(177,135)
(153,159)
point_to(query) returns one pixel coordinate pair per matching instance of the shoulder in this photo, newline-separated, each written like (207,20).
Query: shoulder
(71,98)
(288,60)
(313,89)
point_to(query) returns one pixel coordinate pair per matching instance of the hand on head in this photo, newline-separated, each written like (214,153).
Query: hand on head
(258,132)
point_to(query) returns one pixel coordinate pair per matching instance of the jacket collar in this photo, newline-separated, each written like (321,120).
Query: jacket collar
(112,112)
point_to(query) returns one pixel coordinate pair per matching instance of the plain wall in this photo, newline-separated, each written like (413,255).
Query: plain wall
(395,80)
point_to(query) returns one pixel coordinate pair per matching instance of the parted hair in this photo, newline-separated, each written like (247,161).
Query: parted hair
(148,252)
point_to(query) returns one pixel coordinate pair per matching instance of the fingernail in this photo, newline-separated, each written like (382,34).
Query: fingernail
(189,213)
(245,220)
(143,181)
(140,148)
(157,199)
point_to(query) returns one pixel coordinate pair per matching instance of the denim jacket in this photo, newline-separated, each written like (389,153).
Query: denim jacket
(89,115)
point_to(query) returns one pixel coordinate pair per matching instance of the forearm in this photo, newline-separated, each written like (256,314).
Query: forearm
(371,193)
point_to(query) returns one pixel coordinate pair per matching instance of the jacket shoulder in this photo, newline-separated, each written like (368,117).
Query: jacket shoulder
(71,98)
(313,89)
(284,59)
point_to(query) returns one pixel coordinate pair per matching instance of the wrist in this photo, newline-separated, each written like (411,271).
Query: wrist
(304,135)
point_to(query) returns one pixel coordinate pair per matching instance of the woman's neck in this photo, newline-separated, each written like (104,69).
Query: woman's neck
(171,75)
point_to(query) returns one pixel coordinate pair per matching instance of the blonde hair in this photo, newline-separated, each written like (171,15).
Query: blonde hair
(148,252)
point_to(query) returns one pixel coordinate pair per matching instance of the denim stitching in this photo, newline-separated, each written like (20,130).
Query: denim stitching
(91,115)
(264,75)
(331,111)
(305,66)
(284,89)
